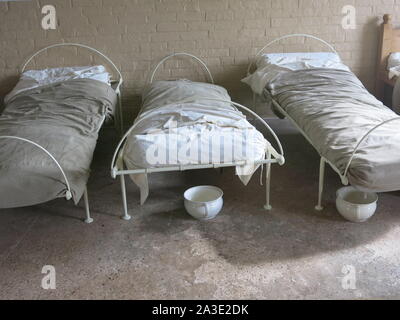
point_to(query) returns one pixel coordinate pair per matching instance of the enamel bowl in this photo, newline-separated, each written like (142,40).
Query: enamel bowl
(203,202)
(355,205)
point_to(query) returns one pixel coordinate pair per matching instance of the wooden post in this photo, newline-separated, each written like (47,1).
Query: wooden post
(385,49)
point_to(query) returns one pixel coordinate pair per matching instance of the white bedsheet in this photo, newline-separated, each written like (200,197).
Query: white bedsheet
(177,126)
(36,78)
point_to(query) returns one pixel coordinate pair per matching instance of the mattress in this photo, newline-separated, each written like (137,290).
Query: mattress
(335,110)
(62,117)
(179,126)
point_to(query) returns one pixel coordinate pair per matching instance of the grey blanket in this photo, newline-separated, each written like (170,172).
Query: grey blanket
(64,118)
(335,110)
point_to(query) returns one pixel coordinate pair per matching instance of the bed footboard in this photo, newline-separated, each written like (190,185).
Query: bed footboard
(68,193)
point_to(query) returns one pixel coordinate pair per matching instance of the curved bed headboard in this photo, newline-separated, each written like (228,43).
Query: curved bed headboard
(120,79)
(295,35)
(201,62)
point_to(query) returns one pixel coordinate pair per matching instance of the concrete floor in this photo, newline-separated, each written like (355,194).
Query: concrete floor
(246,252)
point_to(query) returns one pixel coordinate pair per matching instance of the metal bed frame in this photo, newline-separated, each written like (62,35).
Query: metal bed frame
(118,122)
(272,156)
(343,176)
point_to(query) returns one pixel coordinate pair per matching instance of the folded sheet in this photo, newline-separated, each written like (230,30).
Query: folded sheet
(37,78)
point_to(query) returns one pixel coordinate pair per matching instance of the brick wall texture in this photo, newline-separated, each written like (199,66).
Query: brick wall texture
(135,34)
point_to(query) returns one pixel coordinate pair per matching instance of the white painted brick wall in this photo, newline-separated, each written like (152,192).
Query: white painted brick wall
(225,33)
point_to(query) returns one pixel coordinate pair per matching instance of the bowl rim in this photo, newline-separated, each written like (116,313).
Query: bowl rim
(338,197)
(205,186)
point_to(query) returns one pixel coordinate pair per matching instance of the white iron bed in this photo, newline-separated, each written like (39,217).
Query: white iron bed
(118,168)
(118,121)
(356,148)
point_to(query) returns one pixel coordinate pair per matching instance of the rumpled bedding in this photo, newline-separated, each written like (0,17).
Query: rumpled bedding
(335,110)
(37,78)
(65,119)
(178,126)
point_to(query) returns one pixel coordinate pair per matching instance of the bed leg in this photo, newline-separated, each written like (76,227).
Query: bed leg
(86,200)
(268,185)
(121,117)
(126,216)
(319,206)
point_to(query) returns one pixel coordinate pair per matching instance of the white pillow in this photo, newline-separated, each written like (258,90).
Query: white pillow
(272,64)
(283,58)
(302,60)
(36,78)
(394,60)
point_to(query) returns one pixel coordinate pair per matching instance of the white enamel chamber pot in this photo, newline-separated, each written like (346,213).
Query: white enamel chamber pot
(355,205)
(203,202)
